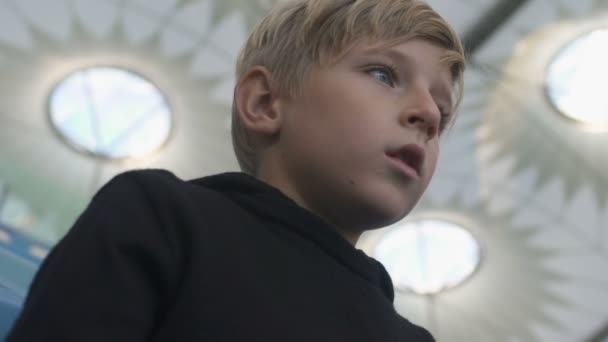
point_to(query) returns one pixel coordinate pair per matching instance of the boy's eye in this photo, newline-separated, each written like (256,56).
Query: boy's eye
(383,74)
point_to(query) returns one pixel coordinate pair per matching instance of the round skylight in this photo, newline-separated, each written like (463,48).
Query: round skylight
(576,77)
(428,256)
(110,112)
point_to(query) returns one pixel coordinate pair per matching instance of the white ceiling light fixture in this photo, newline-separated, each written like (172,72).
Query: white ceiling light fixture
(110,113)
(575,80)
(428,256)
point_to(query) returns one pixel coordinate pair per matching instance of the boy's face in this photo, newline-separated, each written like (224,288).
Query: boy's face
(359,145)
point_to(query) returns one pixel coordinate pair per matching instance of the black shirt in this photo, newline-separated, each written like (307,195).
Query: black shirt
(225,258)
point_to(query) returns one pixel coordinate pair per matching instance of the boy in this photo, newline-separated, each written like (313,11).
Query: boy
(336,122)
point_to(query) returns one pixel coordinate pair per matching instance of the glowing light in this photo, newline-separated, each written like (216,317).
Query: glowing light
(38,252)
(5,236)
(111,113)
(576,77)
(428,256)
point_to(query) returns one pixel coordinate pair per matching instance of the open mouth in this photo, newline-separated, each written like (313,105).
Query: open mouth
(409,159)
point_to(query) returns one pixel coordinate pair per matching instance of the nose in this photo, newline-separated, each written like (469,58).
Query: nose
(421,113)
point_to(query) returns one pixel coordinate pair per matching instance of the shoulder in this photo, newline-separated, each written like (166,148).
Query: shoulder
(198,206)
(152,193)
(145,184)
(132,198)
(135,208)
(144,178)
(164,192)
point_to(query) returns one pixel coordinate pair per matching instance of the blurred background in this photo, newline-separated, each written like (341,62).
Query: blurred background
(510,243)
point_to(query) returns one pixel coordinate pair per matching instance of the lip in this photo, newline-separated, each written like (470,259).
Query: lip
(409,159)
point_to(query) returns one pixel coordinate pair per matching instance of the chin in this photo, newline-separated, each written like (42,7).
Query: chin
(382,211)
(373,204)
(395,205)
(394,215)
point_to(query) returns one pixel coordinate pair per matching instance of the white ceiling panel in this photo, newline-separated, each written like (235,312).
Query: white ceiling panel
(532,187)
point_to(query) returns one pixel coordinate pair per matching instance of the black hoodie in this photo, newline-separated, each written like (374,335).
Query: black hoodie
(225,258)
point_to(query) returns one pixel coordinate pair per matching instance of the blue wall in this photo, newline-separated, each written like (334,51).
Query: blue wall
(10,305)
(18,264)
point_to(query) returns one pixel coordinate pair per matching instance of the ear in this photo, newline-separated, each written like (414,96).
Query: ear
(257,102)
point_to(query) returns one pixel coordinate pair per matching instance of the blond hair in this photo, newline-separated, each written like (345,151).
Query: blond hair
(301,33)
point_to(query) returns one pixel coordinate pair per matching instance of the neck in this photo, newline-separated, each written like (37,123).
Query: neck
(274,176)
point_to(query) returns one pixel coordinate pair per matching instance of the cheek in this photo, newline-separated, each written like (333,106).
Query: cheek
(330,119)
(342,119)
(432,156)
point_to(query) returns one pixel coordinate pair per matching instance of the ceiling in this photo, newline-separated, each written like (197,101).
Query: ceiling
(530,186)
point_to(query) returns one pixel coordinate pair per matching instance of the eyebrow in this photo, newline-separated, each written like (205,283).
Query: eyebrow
(443,90)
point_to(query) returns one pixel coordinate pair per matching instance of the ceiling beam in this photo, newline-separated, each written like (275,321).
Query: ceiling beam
(489,23)
(600,336)
(3,196)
